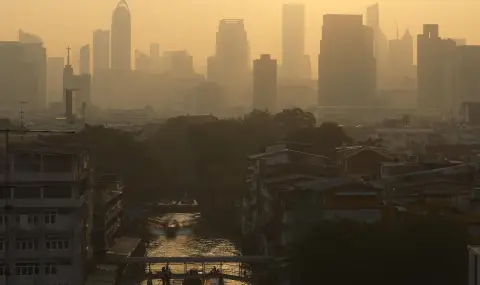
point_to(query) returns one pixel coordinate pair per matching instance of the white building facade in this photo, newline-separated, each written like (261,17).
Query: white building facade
(45,218)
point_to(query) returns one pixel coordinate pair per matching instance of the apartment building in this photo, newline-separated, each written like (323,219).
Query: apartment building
(45,216)
(108,213)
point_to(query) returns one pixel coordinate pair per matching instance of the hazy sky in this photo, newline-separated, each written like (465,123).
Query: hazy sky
(191,24)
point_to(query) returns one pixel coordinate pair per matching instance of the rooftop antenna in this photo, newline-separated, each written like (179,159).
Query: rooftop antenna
(68,56)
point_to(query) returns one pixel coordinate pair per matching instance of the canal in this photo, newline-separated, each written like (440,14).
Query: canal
(193,238)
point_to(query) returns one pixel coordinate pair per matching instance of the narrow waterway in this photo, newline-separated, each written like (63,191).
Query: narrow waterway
(193,238)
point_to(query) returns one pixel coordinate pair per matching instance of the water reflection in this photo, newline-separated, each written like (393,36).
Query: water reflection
(191,239)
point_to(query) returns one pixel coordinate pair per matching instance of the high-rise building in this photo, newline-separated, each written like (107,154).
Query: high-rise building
(121,38)
(265,83)
(55,78)
(435,61)
(467,79)
(346,75)
(85,59)
(35,52)
(143,62)
(101,50)
(381,44)
(230,67)
(155,57)
(295,64)
(401,57)
(179,63)
(154,50)
(18,78)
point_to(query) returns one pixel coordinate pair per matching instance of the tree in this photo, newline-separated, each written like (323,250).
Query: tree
(426,250)
(292,120)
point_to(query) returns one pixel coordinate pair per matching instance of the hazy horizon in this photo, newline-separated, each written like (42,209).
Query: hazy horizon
(191,24)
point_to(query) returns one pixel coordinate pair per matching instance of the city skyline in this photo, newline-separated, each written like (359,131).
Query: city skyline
(147,23)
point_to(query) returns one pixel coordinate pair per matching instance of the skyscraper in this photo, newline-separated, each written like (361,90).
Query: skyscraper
(381,44)
(435,61)
(230,66)
(35,52)
(346,75)
(121,37)
(17,76)
(401,57)
(101,50)
(295,64)
(54,78)
(85,59)
(265,83)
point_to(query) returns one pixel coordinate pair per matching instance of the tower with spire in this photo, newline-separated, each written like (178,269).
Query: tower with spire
(68,77)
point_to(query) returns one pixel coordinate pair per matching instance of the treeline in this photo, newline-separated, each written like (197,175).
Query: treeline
(412,250)
(206,158)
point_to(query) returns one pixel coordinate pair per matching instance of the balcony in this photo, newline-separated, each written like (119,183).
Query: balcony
(63,223)
(45,202)
(28,177)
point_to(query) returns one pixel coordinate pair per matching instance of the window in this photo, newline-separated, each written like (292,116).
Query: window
(27,162)
(3,244)
(58,191)
(51,268)
(58,163)
(54,244)
(26,269)
(27,192)
(3,220)
(2,269)
(50,217)
(26,244)
(32,219)
(17,220)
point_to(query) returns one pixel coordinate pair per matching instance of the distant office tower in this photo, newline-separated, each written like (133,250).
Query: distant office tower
(178,63)
(55,78)
(155,57)
(68,77)
(467,79)
(401,56)
(154,50)
(28,38)
(143,62)
(381,44)
(121,37)
(85,59)
(346,65)
(434,69)
(230,66)
(82,84)
(101,50)
(265,83)
(18,78)
(36,53)
(295,64)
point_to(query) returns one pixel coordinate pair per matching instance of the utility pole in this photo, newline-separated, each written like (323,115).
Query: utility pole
(8,208)
(22,113)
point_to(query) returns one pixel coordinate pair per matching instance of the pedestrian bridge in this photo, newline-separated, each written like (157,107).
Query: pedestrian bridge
(236,271)
(196,259)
